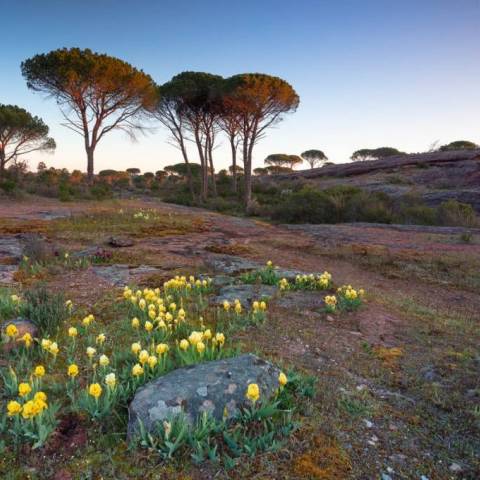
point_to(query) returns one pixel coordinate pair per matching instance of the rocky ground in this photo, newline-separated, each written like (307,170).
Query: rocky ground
(397,381)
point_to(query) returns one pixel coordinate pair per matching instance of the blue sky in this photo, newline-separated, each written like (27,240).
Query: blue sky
(369,73)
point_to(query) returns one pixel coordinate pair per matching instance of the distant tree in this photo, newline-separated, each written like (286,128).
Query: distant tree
(459,145)
(260,171)
(279,159)
(375,153)
(180,169)
(41,166)
(235,169)
(260,101)
(170,113)
(315,158)
(294,160)
(133,171)
(21,133)
(229,121)
(149,175)
(283,160)
(96,93)
(198,93)
(107,173)
(276,169)
(160,174)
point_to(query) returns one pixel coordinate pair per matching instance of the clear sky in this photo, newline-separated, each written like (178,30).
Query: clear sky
(369,72)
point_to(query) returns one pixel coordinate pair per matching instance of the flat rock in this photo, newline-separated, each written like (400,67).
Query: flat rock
(208,387)
(7,273)
(303,300)
(230,264)
(117,275)
(245,293)
(10,247)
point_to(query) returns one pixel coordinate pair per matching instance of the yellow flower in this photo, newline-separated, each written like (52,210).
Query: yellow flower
(143,357)
(27,339)
(256,305)
(137,370)
(46,343)
(91,352)
(40,397)
(238,308)
(200,347)
(269,263)
(162,348)
(53,349)
(361,292)
(184,344)
(95,390)
(72,332)
(207,334)
(220,338)
(11,330)
(15,298)
(135,322)
(263,306)
(226,305)
(72,370)
(282,379)
(148,326)
(253,392)
(136,347)
(101,338)
(110,380)
(152,314)
(69,304)
(152,361)
(103,360)
(168,317)
(13,408)
(172,307)
(142,303)
(88,320)
(24,389)
(195,337)
(181,313)
(39,371)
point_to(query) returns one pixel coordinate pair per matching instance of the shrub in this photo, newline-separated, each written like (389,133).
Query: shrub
(454,213)
(101,191)
(46,310)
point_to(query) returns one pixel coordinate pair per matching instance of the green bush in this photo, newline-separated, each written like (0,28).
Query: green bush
(45,309)
(454,213)
(101,191)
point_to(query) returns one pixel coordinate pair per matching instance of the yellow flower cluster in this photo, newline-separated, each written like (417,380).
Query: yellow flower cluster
(11,330)
(331,301)
(49,346)
(350,293)
(31,408)
(283,284)
(259,306)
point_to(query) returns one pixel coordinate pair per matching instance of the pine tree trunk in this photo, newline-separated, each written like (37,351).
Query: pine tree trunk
(90,151)
(234,164)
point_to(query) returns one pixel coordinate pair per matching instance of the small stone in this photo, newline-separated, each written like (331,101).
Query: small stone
(368,423)
(361,387)
(455,467)
(386,477)
(330,318)
(120,242)
(374,438)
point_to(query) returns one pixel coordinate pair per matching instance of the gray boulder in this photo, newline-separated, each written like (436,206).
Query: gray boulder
(216,387)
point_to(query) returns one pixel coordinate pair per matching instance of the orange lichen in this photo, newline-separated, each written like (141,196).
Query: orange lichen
(325,461)
(389,356)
